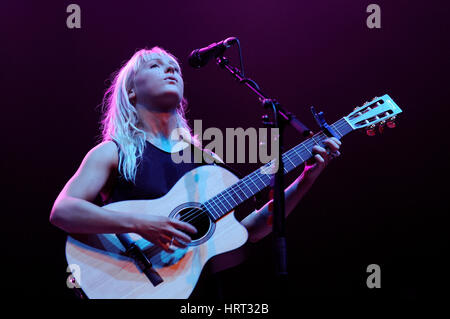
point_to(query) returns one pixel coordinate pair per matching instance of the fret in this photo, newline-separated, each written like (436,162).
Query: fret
(336,130)
(299,155)
(210,207)
(314,139)
(257,179)
(288,166)
(254,183)
(225,197)
(290,161)
(219,205)
(236,191)
(245,184)
(257,175)
(242,182)
(260,178)
(229,190)
(244,194)
(307,150)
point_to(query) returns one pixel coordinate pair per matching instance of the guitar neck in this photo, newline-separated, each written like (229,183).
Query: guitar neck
(260,179)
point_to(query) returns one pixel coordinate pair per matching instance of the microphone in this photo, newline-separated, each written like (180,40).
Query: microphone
(200,57)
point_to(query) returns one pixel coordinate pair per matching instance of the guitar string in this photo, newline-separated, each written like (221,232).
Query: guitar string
(291,154)
(156,249)
(288,155)
(336,126)
(251,178)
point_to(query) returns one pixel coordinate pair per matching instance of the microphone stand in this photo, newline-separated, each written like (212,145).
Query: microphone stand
(281,118)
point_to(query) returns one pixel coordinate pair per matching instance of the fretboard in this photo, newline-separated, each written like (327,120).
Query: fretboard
(258,180)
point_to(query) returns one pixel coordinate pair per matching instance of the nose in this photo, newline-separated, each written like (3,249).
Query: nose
(170,69)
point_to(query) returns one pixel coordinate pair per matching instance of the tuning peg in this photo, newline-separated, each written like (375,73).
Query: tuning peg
(371,130)
(391,122)
(381,127)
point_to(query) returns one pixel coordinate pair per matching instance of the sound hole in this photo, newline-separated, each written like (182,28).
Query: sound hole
(198,218)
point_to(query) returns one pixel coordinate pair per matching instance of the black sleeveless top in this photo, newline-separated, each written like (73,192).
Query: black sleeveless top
(156,173)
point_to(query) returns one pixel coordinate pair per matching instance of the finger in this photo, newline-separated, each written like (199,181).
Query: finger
(332,145)
(319,150)
(179,235)
(332,156)
(335,154)
(166,246)
(174,244)
(183,226)
(337,141)
(319,159)
(165,237)
(179,244)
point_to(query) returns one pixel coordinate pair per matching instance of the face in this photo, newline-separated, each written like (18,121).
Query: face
(158,83)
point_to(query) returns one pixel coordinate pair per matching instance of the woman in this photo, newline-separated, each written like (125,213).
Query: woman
(142,107)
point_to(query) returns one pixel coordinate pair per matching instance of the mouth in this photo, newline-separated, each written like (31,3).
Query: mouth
(171,79)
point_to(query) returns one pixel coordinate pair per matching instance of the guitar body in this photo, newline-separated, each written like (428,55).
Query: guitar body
(105,271)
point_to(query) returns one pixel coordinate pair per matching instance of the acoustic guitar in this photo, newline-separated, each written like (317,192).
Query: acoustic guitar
(206,198)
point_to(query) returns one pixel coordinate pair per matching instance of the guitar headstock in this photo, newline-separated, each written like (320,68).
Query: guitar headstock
(378,113)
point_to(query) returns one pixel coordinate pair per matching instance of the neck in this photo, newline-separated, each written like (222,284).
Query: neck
(157,123)
(258,180)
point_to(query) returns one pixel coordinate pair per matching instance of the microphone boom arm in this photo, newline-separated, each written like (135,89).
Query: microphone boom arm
(284,115)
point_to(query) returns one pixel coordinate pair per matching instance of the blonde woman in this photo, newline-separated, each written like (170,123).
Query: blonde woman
(143,106)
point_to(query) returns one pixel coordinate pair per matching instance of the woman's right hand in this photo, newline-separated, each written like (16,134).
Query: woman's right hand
(164,232)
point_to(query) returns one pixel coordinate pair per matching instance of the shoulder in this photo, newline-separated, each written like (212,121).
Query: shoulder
(93,172)
(106,153)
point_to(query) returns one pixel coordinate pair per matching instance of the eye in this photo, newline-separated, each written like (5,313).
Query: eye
(153,65)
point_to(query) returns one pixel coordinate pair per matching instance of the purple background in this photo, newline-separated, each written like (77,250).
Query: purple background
(381,202)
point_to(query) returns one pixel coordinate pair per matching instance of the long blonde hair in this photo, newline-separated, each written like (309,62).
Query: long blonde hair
(120,119)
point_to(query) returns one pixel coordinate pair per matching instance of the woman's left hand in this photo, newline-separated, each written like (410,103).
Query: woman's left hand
(315,165)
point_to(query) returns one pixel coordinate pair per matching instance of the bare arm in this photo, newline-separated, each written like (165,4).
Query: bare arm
(74,212)
(259,222)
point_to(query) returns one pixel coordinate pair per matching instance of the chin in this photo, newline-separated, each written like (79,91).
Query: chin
(169,100)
